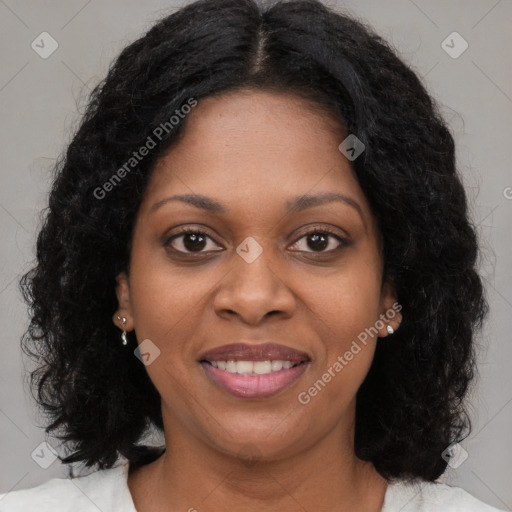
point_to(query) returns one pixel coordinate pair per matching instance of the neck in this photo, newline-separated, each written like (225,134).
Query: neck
(191,475)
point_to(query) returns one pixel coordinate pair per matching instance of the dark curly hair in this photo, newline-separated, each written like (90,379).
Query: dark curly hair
(99,398)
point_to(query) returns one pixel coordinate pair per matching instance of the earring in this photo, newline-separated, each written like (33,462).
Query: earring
(123,336)
(390,329)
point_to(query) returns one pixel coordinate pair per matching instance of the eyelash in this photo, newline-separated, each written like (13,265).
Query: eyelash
(343,242)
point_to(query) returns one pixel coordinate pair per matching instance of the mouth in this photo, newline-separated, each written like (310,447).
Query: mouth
(254,371)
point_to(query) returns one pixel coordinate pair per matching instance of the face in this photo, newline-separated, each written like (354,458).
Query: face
(262,263)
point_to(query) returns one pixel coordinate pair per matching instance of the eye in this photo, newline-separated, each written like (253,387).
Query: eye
(189,241)
(320,240)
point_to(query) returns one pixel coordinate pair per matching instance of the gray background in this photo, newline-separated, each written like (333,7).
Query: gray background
(41,100)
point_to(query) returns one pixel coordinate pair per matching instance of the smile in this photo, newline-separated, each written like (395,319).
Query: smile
(253,379)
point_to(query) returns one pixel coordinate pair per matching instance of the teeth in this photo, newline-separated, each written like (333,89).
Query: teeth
(231,366)
(276,365)
(252,368)
(262,367)
(244,367)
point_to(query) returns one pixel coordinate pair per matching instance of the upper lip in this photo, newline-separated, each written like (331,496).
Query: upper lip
(250,352)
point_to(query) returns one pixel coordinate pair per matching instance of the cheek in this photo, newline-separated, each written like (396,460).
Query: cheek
(165,302)
(344,309)
(342,366)
(348,301)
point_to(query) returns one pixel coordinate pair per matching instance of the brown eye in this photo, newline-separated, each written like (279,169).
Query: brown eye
(189,241)
(319,240)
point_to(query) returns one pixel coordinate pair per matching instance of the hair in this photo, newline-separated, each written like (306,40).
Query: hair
(97,396)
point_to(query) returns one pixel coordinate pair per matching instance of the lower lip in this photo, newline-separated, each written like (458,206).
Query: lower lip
(257,386)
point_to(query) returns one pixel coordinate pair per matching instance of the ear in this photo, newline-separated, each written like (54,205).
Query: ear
(124,309)
(390,310)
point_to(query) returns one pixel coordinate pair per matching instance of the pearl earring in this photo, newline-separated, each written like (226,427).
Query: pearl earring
(390,329)
(123,336)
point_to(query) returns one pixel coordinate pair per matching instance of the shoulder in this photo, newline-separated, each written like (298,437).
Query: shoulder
(101,490)
(431,497)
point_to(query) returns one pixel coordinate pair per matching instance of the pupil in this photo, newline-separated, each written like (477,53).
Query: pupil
(316,238)
(193,241)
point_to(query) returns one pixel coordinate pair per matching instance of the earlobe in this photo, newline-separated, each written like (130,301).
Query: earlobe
(390,313)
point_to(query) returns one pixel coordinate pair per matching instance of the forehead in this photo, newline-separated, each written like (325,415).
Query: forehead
(255,148)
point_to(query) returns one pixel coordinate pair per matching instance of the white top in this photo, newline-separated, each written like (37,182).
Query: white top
(107,490)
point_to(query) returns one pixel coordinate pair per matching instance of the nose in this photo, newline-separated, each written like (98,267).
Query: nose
(255,290)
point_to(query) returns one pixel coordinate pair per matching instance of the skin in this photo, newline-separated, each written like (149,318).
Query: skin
(252,151)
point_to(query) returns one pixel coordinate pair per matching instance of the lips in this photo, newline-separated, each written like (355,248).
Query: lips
(254,371)
(248,352)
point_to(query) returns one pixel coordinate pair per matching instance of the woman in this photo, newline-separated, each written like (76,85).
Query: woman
(257,242)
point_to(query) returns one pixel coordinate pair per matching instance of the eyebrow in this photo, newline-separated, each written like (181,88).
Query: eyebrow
(295,205)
